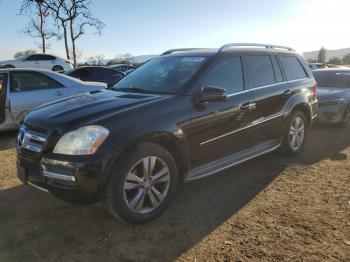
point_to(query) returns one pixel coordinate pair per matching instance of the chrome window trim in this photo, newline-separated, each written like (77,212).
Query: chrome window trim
(266,86)
(255,123)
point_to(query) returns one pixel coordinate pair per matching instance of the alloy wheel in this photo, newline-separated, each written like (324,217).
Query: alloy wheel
(297,133)
(146,185)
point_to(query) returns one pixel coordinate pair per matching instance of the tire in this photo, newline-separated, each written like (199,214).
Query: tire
(134,195)
(346,117)
(8,66)
(57,68)
(295,134)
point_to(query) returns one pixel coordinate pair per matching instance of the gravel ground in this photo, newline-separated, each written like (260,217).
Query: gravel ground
(274,208)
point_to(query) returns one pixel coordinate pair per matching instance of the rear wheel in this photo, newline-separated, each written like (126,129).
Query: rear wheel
(57,68)
(294,137)
(346,117)
(141,184)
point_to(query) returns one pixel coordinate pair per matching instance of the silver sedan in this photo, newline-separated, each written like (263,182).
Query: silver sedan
(333,95)
(21,90)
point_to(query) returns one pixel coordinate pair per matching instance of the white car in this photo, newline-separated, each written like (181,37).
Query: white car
(39,61)
(21,90)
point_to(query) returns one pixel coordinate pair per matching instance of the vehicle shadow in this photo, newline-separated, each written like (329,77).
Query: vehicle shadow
(7,140)
(35,225)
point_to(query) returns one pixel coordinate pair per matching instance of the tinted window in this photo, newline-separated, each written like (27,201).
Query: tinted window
(292,68)
(81,73)
(260,70)
(333,79)
(26,81)
(47,57)
(277,70)
(163,74)
(226,74)
(33,58)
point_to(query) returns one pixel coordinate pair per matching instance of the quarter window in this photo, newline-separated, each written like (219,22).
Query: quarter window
(28,81)
(226,74)
(292,67)
(260,70)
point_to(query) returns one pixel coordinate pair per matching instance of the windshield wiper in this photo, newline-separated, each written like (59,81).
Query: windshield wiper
(133,89)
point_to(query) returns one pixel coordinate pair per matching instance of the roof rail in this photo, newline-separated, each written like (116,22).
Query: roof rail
(228,46)
(179,50)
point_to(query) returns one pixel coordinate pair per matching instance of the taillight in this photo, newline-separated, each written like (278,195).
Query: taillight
(315,90)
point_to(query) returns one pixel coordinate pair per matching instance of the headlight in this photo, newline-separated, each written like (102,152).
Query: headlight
(83,141)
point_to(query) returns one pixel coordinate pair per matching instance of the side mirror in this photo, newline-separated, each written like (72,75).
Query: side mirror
(212,94)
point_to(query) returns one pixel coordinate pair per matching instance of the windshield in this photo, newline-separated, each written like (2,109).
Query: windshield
(165,75)
(336,79)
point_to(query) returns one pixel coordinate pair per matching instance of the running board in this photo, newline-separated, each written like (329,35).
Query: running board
(232,160)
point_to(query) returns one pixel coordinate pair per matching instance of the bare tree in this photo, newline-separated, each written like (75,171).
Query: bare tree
(61,20)
(37,26)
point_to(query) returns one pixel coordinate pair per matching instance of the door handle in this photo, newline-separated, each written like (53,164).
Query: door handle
(248,106)
(59,93)
(287,92)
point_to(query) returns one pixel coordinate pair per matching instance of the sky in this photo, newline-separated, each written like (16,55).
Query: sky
(146,27)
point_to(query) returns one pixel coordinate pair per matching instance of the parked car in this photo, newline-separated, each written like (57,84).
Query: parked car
(96,74)
(315,66)
(180,117)
(23,89)
(39,61)
(121,67)
(334,95)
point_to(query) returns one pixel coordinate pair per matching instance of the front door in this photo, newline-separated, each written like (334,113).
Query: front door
(3,97)
(31,89)
(218,127)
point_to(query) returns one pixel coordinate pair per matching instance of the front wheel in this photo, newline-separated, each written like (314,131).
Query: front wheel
(295,133)
(141,184)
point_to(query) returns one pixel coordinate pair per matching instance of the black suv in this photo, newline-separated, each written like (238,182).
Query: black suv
(185,115)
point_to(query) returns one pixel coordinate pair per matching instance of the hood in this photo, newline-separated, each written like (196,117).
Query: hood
(8,61)
(332,93)
(84,108)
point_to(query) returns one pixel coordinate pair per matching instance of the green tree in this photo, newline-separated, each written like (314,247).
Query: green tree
(321,57)
(346,59)
(335,61)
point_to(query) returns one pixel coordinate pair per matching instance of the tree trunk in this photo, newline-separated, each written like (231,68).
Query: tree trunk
(73,42)
(64,26)
(42,32)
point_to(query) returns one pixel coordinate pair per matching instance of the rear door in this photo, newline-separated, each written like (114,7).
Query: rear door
(218,127)
(3,96)
(270,94)
(31,89)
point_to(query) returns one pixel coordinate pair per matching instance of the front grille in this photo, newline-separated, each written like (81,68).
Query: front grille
(31,142)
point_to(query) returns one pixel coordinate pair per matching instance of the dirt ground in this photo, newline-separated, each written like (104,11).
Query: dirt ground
(274,208)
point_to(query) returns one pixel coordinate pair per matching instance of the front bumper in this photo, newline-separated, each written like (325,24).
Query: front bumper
(333,113)
(82,174)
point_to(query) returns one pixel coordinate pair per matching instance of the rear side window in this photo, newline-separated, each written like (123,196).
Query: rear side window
(260,70)
(226,74)
(292,67)
(30,81)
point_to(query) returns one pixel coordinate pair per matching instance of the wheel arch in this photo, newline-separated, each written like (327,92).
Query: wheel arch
(176,147)
(299,102)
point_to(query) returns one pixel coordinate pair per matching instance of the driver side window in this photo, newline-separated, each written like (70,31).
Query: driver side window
(227,74)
